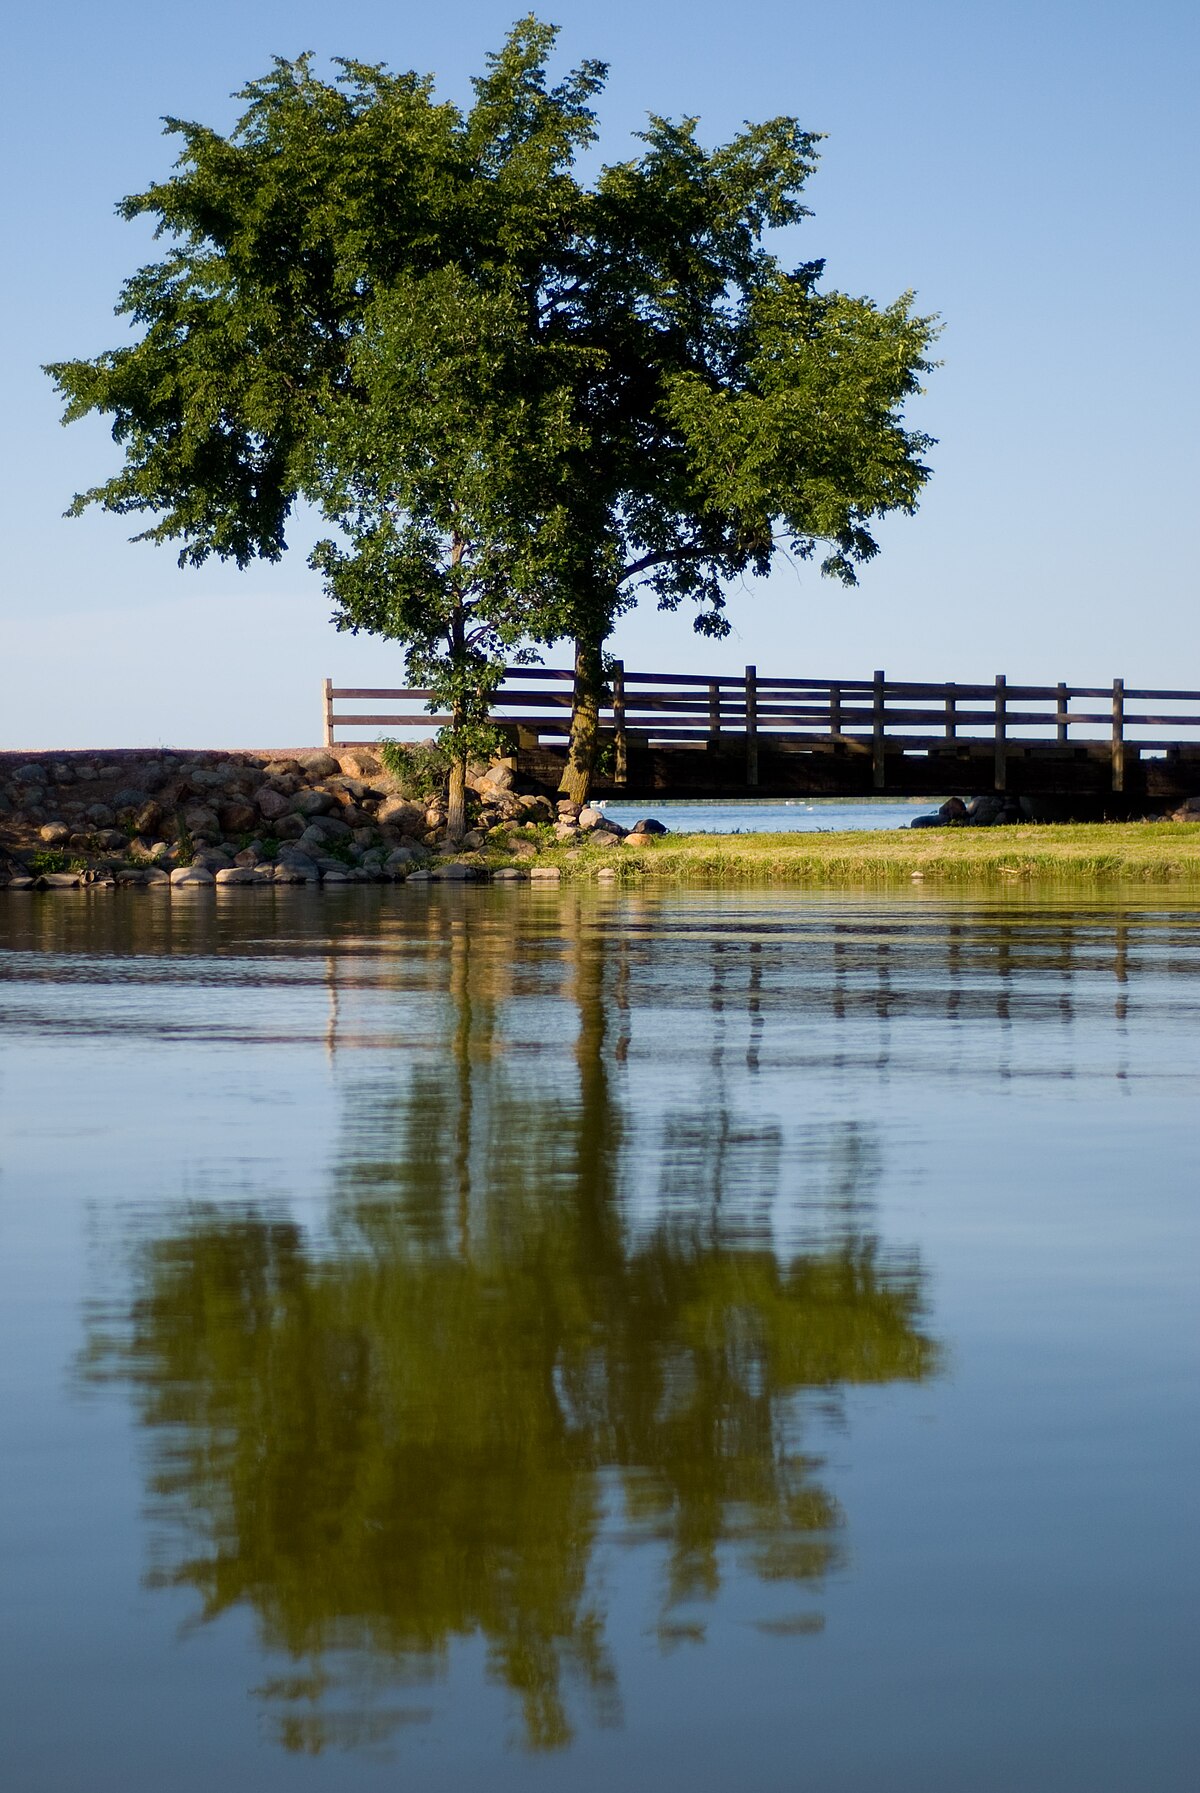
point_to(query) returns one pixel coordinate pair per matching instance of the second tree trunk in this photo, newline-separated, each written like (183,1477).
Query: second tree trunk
(585,721)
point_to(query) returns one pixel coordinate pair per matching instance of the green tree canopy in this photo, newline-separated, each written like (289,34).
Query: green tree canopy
(519,398)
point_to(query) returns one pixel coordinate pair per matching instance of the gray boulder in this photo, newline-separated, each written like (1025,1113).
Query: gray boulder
(270,803)
(317,765)
(398,812)
(237,816)
(985,811)
(360,762)
(314,803)
(293,860)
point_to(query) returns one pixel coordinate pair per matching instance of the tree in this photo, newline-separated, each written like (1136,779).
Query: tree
(518,399)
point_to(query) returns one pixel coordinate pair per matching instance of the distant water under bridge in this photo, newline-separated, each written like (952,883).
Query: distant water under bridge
(1102,748)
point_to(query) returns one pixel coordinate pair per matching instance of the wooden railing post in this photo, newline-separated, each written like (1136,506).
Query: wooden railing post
(1118,735)
(951,712)
(1001,734)
(751,725)
(1061,719)
(327,699)
(620,744)
(878,701)
(835,709)
(714,710)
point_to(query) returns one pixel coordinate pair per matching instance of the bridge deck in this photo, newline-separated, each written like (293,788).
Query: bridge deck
(750,735)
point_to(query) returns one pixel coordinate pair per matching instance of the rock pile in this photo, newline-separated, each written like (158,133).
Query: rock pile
(991,811)
(997,809)
(311,817)
(577,822)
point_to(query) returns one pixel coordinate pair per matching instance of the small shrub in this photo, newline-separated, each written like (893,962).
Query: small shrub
(340,850)
(52,859)
(421,768)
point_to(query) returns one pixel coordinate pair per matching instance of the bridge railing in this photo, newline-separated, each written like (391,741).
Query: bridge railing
(739,713)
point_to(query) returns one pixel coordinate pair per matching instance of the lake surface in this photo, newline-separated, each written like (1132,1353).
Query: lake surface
(799,815)
(499,1339)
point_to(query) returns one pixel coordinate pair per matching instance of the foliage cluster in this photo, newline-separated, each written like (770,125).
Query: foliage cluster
(53,859)
(420,768)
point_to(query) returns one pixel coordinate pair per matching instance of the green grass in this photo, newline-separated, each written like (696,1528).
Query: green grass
(52,859)
(1101,852)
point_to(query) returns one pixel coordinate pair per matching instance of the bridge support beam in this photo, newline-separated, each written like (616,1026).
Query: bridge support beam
(1001,763)
(751,725)
(878,738)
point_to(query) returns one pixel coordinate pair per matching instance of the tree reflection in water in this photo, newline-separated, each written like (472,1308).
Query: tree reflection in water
(525,1334)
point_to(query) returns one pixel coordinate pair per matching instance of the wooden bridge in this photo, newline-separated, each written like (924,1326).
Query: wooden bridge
(1102,748)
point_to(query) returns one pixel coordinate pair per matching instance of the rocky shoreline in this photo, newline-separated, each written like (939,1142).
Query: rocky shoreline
(177,820)
(1003,809)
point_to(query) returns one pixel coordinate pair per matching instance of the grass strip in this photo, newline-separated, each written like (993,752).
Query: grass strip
(1100,852)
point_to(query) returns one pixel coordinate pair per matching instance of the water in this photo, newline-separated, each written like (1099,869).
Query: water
(801,815)
(495,1339)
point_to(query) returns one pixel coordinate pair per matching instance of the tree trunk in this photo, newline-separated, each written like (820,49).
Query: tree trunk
(456,807)
(456,804)
(585,721)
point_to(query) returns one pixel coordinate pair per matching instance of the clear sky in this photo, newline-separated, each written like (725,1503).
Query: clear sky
(1029,169)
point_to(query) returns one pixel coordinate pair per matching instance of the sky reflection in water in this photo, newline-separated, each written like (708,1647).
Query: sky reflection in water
(654,1333)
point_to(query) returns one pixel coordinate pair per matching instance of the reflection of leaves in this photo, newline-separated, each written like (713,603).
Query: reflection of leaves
(385,1451)
(312,1733)
(673,1632)
(419,1431)
(799,1624)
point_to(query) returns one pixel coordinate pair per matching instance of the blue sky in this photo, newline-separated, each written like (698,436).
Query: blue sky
(1031,170)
